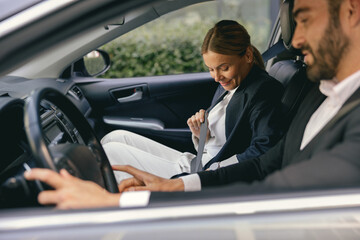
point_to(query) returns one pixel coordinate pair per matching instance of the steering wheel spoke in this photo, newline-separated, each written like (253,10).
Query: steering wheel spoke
(60,137)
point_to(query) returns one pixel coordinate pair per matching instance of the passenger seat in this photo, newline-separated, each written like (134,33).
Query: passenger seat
(292,74)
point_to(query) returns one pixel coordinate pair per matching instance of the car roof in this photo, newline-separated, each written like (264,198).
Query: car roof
(9,8)
(84,22)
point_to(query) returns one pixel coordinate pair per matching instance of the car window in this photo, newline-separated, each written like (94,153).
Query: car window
(171,44)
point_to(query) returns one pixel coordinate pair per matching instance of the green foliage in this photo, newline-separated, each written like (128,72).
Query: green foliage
(158,51)
(172,43)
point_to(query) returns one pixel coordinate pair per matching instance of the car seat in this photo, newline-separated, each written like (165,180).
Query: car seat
(291,73)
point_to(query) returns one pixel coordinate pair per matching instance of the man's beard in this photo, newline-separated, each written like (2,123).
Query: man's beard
(332,47)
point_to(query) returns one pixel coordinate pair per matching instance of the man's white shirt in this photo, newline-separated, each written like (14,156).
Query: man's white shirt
(337,93)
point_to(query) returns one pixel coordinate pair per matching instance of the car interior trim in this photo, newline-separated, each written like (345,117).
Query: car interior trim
(30,15)
(153,124)
(150,214)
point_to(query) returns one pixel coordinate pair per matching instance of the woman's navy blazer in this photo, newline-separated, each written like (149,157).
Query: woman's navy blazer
(253,122)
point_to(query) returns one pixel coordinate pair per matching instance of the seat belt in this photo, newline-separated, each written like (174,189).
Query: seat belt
(274,50)
(196,163)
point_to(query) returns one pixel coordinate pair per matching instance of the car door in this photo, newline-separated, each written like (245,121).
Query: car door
(155,107)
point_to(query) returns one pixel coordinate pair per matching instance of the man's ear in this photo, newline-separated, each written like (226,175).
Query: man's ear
(353,10)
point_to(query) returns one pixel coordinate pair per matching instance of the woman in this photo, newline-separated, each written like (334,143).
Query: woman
(243,125)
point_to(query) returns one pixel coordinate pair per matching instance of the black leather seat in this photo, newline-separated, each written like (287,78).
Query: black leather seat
(292,74)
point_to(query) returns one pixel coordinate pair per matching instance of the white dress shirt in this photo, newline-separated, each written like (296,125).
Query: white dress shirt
(337,94)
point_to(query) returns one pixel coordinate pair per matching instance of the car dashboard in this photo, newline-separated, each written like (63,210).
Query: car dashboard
(17,156)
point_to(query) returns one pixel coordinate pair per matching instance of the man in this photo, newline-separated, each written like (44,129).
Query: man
(320,149)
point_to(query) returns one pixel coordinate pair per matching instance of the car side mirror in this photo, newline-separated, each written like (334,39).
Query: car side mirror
(96,62)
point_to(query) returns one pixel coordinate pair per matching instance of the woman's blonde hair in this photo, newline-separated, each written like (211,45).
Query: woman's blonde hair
(230,38)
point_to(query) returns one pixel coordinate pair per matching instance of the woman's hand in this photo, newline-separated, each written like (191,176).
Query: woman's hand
(146,181)
(71,192)
(195,121)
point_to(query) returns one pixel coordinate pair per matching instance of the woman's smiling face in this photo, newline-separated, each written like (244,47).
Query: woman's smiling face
(228,70)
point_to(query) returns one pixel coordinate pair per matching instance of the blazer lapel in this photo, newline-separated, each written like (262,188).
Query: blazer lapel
(297,128)
(234,108)
(234,112)
(309,148)
(217,94)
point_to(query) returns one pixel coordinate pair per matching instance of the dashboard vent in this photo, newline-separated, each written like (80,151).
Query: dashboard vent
(76,92)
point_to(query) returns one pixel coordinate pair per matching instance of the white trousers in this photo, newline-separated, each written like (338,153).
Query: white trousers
(127,148)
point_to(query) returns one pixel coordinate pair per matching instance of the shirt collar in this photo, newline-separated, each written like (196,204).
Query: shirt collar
(327,87)
(231,92)
(339,92)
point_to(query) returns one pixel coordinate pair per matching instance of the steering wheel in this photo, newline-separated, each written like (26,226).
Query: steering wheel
(75,147)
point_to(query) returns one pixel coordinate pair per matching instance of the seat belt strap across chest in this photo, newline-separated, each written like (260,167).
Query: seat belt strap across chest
(196,163)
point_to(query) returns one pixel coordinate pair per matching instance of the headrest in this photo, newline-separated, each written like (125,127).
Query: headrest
(288,25)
